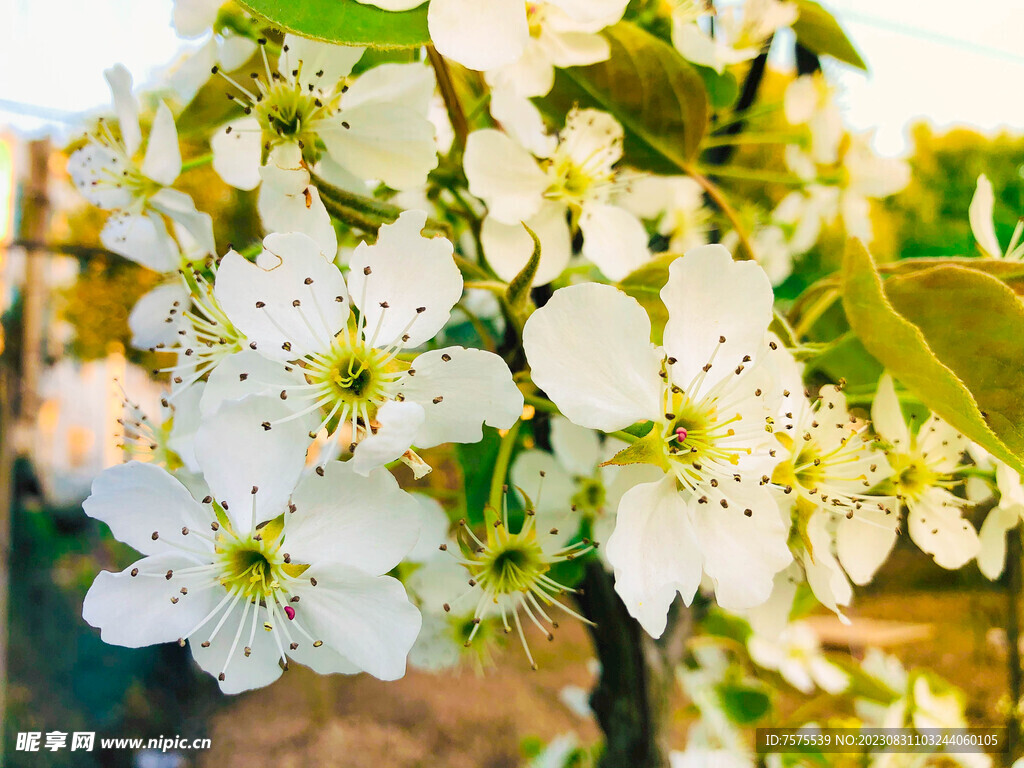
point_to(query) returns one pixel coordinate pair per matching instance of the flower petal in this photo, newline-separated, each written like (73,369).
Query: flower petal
(247,373)
(576,448)
(654,553)
(334,61)
(710,296)
(287,202)
(613,239)
(385,141)
(126,107)
(590,351)
(434,525)
(504,175)
(261,302)
(742,552)
(992,541)
(508,247)
(400,274)
(241,673)
(182,209)
(399,422)
(886,415)
(936,525)
(237,152)
(367,522)
(156,316)
(142,238)
(91,169)
(135,500)
(980,214)
(367,619)
(864,541)
(460,389)
(410,85)
(478,35)
(163,155)
(135,611)
(238,456)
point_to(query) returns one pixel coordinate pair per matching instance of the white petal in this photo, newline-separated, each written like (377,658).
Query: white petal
(399,423)
(385,141)
(742,553)
(286,202)
(829,677)
(193,18)
(864,541)
(504,175)
(577,449)
(367,619)
(575,49)
(433,524)
(532,74)
(243,673)
(323,660)
(237,455)
(135,611)
(137,499)
(551,492)
(163,155)
(248,373)
(590,351)
(409,85)
(508,247)
(521,120)
(156,316)
(992,541)
(181,439)
(368,523)
(125,106)
(654,553)
(335,61)
(613,239)
(592,10)
(825,577)
(237,151)
(182,209)
(461,389)
(980,214)
(142,238)
(91,169)
(937,527)
(709,296)
(940,445)
(886,415)
(479,35)
(593,139)
(294,258)
(394,5)
(406,272)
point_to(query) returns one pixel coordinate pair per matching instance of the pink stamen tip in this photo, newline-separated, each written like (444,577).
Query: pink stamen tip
(289,612)
(680,434)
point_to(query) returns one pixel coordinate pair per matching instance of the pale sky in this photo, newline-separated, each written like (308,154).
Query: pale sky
(957,63)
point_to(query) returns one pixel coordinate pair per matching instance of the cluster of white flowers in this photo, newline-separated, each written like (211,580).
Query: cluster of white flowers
(304,368)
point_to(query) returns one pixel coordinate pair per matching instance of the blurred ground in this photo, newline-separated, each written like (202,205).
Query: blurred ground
(479,721)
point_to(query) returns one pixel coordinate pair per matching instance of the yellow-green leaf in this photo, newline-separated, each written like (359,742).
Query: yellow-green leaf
(928,359)
(817,30)
(657,95)
(346,22)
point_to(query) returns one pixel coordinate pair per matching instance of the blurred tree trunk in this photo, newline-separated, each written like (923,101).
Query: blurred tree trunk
(633,695)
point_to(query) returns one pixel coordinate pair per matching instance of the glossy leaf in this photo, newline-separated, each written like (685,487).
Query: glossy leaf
(346,22)
(818,31)
(659,98)
(963,316)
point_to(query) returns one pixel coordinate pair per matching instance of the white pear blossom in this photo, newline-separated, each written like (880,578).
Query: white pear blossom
(826,481)
(1001,519)
(739,35)
(808,101)
(168,442)
(222,47)
(559,37)
(263,570)
(797,656)
(578,177)
(110,174)
(372,127)
(308,346)
(983,227)
(922,463)
(710,394)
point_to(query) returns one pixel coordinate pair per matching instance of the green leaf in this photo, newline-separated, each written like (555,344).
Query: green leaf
(346,22)
(517,295)
(956,319)
(657,95)
(722,89)
(743,704)
(817,30)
